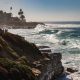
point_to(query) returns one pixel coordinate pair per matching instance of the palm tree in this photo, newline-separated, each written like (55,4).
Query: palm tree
(22,17)
(20,13)
(11,8)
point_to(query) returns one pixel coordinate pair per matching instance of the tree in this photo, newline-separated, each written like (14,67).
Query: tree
(11,8)
(22,17)
(21,14)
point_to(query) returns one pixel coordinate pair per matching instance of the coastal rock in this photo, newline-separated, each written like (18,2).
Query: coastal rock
(64,77)
(21,60)
(72,70)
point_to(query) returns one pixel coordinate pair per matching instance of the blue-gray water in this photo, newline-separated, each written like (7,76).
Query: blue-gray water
(64,38)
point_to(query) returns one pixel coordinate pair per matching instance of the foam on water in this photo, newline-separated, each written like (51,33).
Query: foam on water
(59,32)
(40,28)
(51,38)
(64,25)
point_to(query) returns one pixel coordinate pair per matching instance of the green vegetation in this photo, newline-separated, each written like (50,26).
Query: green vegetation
(15,70)
(21,14)
(17,57)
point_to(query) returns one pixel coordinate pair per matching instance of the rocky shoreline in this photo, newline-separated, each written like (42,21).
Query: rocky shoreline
(20,25)
(21,60)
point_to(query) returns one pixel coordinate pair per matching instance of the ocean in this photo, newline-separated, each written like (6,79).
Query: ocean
(63,38)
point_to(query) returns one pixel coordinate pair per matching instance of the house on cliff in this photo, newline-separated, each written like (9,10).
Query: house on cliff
(5,17)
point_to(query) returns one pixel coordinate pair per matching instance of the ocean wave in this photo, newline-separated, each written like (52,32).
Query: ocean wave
(59,32)
(45,29)
(51,38)
(70,44)
(40,28)
(58,37)
(63,26)
(74,43)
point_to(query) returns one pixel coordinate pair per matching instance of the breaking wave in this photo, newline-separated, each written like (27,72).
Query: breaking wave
(40,28)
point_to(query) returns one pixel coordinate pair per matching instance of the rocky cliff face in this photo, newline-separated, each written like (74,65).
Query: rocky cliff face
(21,60)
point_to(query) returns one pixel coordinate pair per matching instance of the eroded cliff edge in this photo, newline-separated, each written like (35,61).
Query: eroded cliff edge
(21,60)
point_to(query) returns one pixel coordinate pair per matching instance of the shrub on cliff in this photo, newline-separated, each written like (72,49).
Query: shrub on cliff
(15,71)
(22,47)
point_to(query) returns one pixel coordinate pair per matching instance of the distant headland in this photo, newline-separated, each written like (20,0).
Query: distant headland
(7,20)
(62,22)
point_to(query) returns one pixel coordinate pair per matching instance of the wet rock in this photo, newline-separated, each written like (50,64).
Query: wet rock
(54,55)
(64,42)
(41,47)
(44,49)
(72,70)
(64,77)
(68,77)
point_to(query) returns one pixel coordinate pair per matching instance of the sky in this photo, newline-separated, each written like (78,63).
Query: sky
(44,10)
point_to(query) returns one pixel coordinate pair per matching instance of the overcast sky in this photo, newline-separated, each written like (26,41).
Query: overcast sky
(44,10)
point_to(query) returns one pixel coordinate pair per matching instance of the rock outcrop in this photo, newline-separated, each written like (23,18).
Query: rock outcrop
(72,70)
(21,60)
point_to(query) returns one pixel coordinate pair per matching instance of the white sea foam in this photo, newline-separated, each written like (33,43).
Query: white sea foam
(73,43)
(64,25)
(51,38)
(40,27)
(59,32)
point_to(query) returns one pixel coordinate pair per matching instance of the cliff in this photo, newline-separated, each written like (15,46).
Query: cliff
(21,60)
